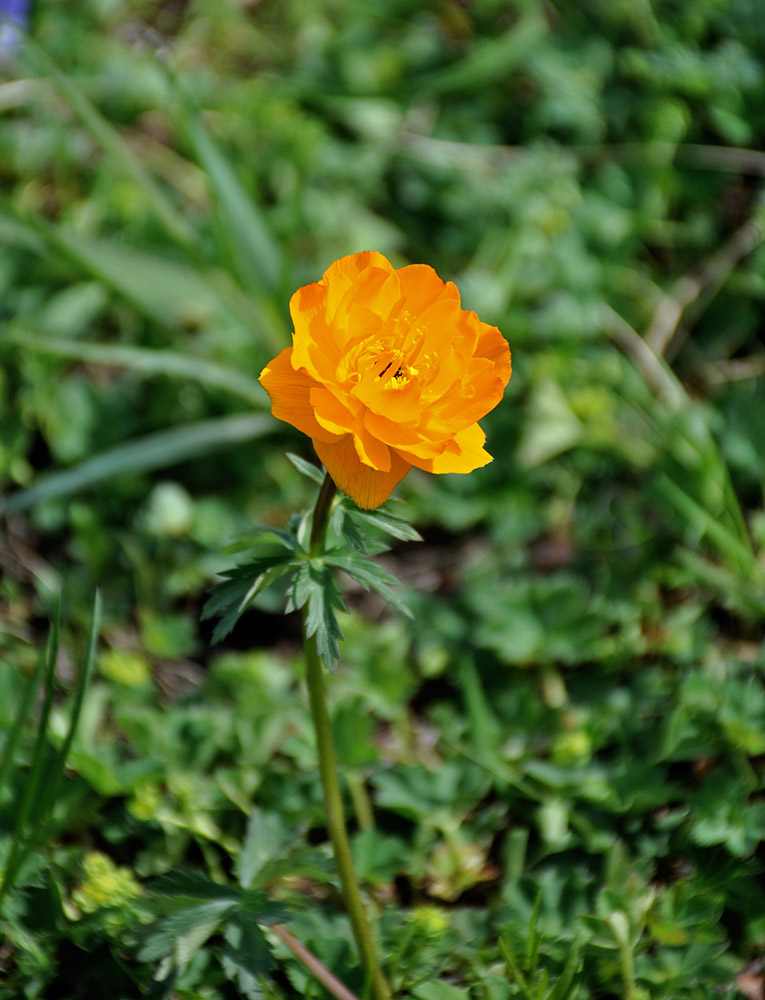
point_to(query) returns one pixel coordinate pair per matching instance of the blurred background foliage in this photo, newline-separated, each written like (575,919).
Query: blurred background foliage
(555,773)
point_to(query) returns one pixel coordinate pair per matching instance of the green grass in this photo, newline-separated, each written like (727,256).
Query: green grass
(554,773)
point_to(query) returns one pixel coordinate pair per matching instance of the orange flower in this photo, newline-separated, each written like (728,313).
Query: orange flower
(387,371)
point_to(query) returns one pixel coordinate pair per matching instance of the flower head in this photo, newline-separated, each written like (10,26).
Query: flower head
(387,371)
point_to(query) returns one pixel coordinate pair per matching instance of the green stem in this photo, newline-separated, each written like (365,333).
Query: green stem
(333,803)
(321,515)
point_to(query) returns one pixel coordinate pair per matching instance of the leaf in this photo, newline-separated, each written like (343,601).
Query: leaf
(179,934)
(369,574)
(39,796)
(154,451)
(255,252)
(562,990)
(178,889)
(314,588)
(387,522)
(323,600)
(48,795)
(439,989)
(344,526)
(490,59)
(28,810)
(305,468)
(168,291)
(122,156)
(141,359)
(232,598)
(266,835)
(738,554)
(246,957)
(304,861)
(27,699)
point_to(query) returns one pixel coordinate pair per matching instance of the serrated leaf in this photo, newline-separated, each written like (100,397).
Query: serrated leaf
(256,904)
(306,469)
(387,522)
(172,935)
(303,530)
(344,526)
(246,957)
(177,889)
(266,836)
(238,580)
(231,598)
(369,574)
(315,589)
(299,589)
(265,541)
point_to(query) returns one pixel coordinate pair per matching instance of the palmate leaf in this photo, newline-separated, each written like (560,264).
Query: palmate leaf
(178,935)
(246,957)
(190,908)
(273,851)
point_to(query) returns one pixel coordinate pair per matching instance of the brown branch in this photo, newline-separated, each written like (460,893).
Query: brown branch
(667,332)
(330,982)
(736,369)
(655,370)
(697,156)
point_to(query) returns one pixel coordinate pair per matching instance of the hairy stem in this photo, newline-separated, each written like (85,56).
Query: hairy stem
(333,803)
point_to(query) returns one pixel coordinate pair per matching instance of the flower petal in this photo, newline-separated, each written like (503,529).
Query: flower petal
(339,276)
(463,453)
(308,308)
(353,264)
(492,345)
(421,287)
(337,418)
(367,487)
(290,393)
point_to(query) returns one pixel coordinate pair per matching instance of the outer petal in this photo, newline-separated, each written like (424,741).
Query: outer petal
(463,453)
(492,345)
(290,393)
(368,487)
(308,307)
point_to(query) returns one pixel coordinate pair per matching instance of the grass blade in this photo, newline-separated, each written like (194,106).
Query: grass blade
(48,795)
(727,544)
(27,700)
(141,359)
(19,839)
(113,144)
(155,451)
(254,251)
(167,291)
